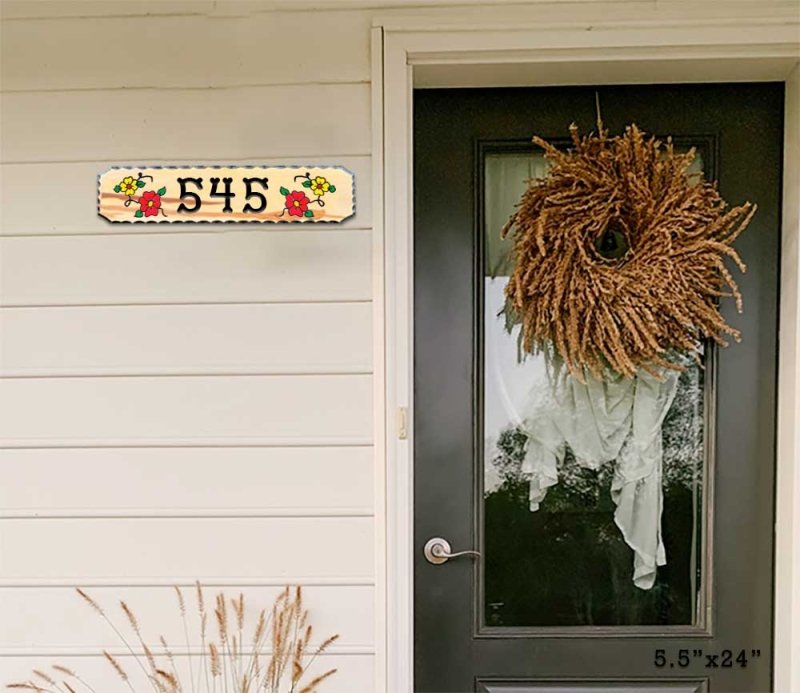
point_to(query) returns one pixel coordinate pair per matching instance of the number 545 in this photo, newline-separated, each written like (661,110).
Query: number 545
(251,195)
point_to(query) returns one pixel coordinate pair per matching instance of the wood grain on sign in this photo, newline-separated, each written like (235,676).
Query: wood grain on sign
(226,193)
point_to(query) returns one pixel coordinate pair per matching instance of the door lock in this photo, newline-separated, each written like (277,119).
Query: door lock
(438,551)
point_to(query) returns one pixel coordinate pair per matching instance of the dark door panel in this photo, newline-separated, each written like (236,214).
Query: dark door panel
(639,686)
(550,605)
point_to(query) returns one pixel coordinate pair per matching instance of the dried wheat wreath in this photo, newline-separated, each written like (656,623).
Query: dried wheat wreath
(619,255)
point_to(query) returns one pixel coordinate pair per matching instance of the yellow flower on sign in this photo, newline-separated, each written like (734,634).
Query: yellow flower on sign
(319,186)
(128,185)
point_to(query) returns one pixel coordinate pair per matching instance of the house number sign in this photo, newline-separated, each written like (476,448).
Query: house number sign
(226,193)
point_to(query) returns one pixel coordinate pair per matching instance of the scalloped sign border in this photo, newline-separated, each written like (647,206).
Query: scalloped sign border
(174,194)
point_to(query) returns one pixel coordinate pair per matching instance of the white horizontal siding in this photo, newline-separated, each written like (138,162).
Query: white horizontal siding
(271,410)
(186,548)
(257,51)
(187,267)
(28,625)
(185,481)
(355,672)
(45,9)
(186,339)
(77,188)
(191,402)
(298,120)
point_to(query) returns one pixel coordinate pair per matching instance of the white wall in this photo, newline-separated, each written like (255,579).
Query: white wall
(180,403)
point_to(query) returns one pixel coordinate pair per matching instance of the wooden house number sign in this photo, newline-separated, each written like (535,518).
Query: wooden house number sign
(226,194)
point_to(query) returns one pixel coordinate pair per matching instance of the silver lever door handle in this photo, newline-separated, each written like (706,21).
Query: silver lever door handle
(438,551)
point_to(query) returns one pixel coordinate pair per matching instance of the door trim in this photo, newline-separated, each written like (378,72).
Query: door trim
(449,52)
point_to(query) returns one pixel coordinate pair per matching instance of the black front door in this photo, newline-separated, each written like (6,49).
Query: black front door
(558,599)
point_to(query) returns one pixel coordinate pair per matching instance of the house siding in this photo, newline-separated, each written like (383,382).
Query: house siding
(181,402)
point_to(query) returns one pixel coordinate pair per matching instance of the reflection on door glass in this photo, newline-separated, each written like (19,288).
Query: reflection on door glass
(566,562)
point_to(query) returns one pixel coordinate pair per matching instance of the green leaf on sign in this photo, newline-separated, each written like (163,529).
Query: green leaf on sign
(139,213)
(284,191)
(332,188)
(162,191)
(117,188)
(139,183)
(309,213)
(306,183)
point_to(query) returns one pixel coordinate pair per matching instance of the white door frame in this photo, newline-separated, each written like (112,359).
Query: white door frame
(455,52)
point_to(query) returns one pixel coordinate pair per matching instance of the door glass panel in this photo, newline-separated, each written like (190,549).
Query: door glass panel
(566,563)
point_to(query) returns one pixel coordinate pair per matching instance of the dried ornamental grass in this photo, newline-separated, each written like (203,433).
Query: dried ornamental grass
(619,256)
(276,657)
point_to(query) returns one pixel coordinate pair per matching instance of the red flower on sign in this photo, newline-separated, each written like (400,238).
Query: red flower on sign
(150,203)
(296,203)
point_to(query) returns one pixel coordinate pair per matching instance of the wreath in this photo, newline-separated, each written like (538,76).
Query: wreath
(619,256)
